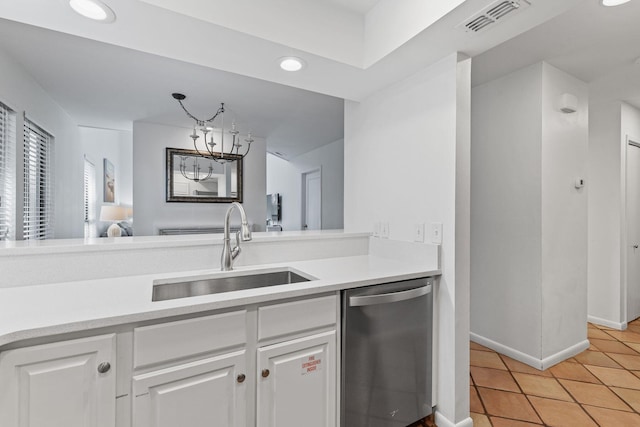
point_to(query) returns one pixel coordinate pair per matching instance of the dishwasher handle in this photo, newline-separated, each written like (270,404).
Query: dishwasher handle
(390,297)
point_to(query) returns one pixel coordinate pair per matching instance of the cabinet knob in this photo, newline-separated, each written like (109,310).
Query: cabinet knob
(265,373)
(241,378)
(104,367)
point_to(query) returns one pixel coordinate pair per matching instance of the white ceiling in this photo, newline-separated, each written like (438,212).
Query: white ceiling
(108,75)
(358,6)
(118,86)
(597,44)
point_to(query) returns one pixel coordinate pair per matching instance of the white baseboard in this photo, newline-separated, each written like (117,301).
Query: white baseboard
(442,421)
(534,362)
(621,326)
(554,359)
(507,351)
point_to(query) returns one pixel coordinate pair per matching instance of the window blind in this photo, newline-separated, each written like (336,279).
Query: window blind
(38,183)
(7,172)
(90,229)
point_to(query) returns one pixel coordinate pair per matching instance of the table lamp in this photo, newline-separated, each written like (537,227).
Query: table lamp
(113,213)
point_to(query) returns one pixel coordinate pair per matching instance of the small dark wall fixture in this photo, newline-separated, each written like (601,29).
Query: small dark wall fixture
(191,178)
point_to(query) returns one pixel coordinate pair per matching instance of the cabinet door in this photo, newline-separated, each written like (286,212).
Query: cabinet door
(297,382)
(209,392)
(58,385)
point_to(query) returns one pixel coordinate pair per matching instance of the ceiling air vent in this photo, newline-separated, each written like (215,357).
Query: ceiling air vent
(502,9)
(492,14)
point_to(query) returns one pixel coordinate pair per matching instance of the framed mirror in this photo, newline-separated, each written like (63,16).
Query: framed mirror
(192,178)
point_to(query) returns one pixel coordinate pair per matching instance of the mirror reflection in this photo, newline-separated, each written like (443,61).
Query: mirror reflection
(124,113)
(192,178)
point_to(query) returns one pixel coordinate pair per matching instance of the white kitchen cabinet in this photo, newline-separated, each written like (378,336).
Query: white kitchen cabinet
(297,382)
(206,393)
(191,372)
(207,371)
(199,371)
(59,384)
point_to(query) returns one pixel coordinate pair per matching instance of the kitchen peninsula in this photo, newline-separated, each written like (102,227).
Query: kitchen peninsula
(100,328)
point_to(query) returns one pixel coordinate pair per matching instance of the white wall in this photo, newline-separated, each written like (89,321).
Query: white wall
(565,139)
(506,130)
(21,93)
(529,222)
(427,117)
(151,211)
(117,147)
(330,159)
(605,299)
(285,177)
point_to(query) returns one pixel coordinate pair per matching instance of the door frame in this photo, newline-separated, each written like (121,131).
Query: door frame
(303,195)
(624,241)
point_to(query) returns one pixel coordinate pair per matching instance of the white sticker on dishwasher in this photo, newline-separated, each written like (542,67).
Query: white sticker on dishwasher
(310,364)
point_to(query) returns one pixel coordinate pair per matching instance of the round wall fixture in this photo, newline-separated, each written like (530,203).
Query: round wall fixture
(93,9)
(291,63)
(614,2)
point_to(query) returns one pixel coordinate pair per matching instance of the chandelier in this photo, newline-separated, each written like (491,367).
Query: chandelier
(194,171)
(220,154)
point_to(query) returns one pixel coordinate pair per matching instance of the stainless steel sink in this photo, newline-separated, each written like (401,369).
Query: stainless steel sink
(165,290)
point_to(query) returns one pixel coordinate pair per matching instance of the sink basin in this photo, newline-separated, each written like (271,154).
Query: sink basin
(164,290)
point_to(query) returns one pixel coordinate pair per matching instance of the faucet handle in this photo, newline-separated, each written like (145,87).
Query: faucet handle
(236,251)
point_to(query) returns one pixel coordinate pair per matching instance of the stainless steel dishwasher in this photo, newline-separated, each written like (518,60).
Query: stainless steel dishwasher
(387,354)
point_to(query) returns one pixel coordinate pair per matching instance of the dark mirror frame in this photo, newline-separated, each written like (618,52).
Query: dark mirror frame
(171,153)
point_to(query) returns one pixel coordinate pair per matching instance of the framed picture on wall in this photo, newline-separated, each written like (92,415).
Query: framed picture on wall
(109,182)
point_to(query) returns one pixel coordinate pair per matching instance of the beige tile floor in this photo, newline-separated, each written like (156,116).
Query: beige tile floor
(598,387)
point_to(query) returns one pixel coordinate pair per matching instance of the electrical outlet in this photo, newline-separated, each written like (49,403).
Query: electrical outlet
(436,233)
(418,232)
(384,230)
(376,229)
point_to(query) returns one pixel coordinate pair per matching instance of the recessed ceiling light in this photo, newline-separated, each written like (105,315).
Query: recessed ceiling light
(291,63)
(614,2)
(93,9)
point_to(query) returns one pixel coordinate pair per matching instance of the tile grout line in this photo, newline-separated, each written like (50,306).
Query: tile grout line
(521,390)
(575,399)
(484,408)
(625,401)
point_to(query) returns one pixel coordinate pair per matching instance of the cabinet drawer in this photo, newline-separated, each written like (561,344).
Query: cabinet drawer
(291,317)
(175,340)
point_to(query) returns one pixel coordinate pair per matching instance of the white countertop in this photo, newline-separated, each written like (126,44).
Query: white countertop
(36,311)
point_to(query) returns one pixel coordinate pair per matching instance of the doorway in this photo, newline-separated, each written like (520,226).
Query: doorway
(312,200)
(633,228)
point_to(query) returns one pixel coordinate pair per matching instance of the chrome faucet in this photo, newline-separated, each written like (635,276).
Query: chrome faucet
(228,254)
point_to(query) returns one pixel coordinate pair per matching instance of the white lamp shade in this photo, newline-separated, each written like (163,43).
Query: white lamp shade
(113,213)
